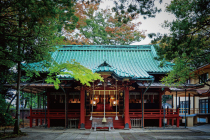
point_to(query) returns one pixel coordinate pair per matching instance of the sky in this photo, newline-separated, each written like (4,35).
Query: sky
(152,25)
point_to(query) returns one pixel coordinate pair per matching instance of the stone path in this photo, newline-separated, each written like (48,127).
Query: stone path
(199,132)
(114,136)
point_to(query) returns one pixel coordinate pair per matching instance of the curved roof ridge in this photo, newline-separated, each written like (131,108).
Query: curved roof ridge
(105,67)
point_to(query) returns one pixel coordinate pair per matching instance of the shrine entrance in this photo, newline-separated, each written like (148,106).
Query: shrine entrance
(110,101)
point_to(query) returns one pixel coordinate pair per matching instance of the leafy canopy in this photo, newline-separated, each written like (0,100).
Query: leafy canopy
(188,43)
(71,69)
(146,8)
(103,27)
(31,32)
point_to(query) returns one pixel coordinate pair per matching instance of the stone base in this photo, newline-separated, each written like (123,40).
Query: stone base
(126,126)
(82,126)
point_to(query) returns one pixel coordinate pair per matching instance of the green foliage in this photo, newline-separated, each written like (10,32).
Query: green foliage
(28,100)
(29,31)
(188,43)
(33,26)
(104,27)
(5,118)
(181,72)
(72,69)
(146,8)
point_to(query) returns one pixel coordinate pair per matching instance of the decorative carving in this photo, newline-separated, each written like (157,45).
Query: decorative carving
(97,87)
(112,87)
(105,76)
(131,88)
(78,87)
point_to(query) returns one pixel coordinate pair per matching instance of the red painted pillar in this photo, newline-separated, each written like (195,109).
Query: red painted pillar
(167,113)
(142,101)
(151,98)
(31,119)
(127,118)
(82,108)
(160,122)
(177,119)
(168,121)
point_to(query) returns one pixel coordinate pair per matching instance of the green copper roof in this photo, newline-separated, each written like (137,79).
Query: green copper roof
(132,61)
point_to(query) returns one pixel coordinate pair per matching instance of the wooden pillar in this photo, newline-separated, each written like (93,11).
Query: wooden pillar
(208,106)
(43,102)
(142,108)
(39,101)
(48,109)
(177,119)
(151,98)
(45,112)
(82,108)
(66,109)
(127,121)
(193,104)
(189,103)
(37,121)
(31,119)
(172,101)
(208,110)
(176,99)
(167,113)
(160,100)
(48,100)
(185,111)
(160,122)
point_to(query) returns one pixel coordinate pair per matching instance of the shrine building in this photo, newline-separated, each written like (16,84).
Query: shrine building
(131,93)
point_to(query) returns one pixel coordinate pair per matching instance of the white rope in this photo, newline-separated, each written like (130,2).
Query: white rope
(116,118)
(91,117)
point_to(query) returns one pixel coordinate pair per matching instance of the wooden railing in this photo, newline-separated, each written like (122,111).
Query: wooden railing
(154,113)
(53,113)
(194,110)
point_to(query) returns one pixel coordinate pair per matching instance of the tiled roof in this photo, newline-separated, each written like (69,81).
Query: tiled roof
(105,67)
(153,85)
(134,61)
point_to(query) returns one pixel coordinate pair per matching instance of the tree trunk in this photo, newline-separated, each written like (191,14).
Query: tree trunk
(10,103)
(17,117)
